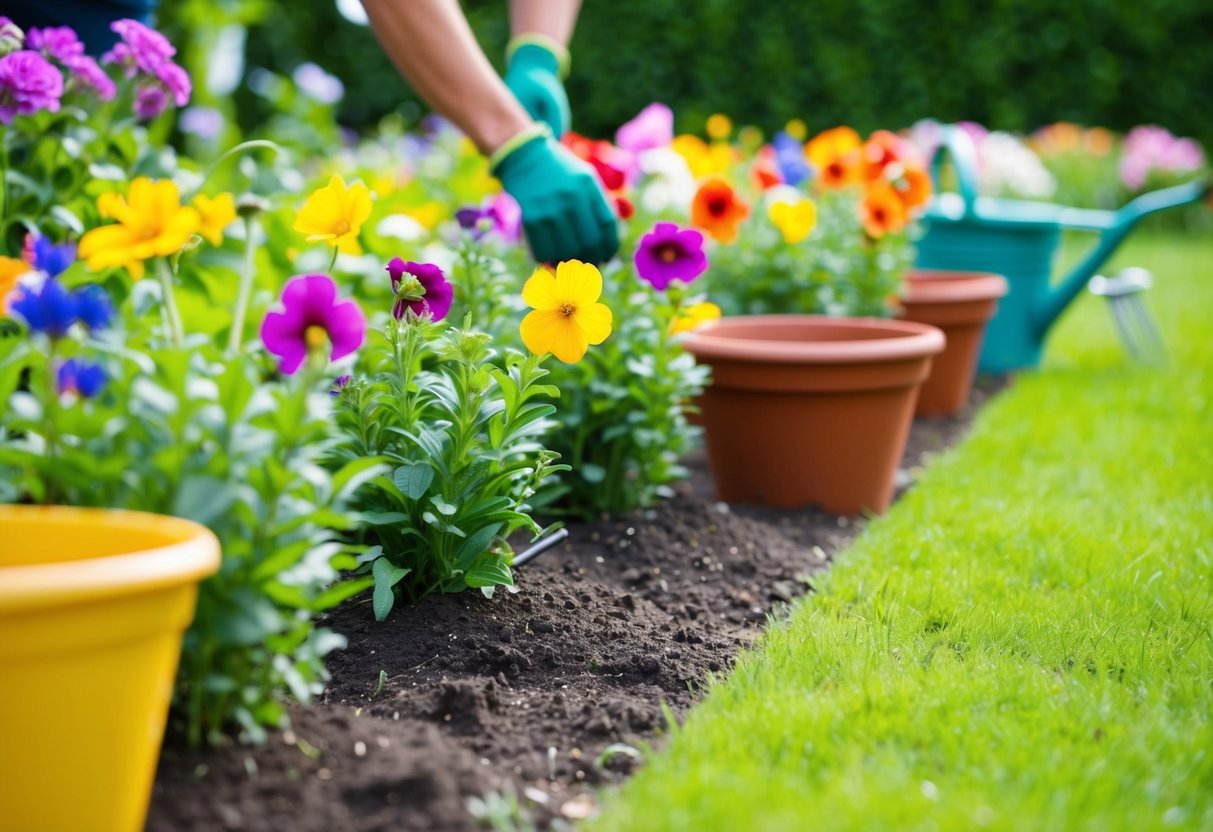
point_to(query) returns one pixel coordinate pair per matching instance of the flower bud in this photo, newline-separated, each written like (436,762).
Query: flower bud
(11,36)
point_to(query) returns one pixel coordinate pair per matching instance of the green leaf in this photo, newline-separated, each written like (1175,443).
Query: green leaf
(381,518)
(592,473)
(385,576)
(475,546)
(490,569)
(339,592)
(353,475)
(203,499)
(413,479)
(444,508)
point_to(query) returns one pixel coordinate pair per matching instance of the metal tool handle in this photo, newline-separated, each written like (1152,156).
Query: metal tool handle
(540,547)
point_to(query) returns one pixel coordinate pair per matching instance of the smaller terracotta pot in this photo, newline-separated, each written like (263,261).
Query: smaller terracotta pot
(810,410)
(960,304)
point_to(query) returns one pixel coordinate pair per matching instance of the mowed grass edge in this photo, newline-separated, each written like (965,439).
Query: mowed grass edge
(1022,642)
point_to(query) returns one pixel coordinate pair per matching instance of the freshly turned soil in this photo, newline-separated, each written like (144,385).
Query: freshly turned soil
(521,695)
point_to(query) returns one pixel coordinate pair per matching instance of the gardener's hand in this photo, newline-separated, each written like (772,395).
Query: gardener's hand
(565,214)
(533,76)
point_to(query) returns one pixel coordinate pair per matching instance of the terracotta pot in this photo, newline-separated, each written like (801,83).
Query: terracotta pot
(806,409)
(959,303)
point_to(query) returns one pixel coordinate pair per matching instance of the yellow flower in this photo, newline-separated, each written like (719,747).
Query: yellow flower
(719,127)
(704,159)
(695,316)
(216,214)
(796,129)
(428,215)
(567,316)
(152,222)
(10,270)
(796,220)
(334,215)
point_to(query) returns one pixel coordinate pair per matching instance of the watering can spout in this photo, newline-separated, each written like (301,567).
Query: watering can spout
(1113,226)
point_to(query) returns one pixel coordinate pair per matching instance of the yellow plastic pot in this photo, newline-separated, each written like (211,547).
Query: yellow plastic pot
(93,604)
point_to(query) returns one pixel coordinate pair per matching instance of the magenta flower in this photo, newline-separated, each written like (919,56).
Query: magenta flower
(87,73)
(28,83)
(141,49)
(176,81)
(312,314)
(652,127)
(669,253)
(58,42)
(435,294)
(150,102)
(498,214)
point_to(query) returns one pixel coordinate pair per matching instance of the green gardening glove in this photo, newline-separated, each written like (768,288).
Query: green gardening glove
(565,214)
(533,76)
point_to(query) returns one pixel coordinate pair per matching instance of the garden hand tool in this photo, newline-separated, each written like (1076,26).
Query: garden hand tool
(1019,240)
(1129,313)
(565,213)
(536,65)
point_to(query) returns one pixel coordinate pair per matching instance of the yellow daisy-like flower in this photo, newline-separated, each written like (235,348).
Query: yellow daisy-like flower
(719,126)
(10,270)
(695,316)
(567,316)
(152,222)
(215,215)
(796,220)
(702,158)
(334,215)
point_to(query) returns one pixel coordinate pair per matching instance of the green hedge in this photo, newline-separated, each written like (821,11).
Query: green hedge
(1012,64)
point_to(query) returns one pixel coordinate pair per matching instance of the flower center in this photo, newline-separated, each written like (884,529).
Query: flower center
(567,310)
(718,206)
(342,227)
(315,337)
(667,253)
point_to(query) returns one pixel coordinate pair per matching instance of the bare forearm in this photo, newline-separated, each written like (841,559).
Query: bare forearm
(432,45)
(554,18)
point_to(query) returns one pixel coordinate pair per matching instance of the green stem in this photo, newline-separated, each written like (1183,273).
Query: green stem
(4,159)
(176,330)
(243,147)
(332,261)
(236,336)
(51,412)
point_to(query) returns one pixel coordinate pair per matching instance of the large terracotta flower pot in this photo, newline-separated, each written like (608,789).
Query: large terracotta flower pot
(959,303)
(810,410)
(93,604)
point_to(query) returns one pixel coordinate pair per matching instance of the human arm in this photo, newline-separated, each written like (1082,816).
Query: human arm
(538,58)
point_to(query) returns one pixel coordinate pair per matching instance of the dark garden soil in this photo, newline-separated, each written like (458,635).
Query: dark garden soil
(532,695)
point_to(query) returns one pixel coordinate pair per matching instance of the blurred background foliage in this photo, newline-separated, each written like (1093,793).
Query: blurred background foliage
(1009,64)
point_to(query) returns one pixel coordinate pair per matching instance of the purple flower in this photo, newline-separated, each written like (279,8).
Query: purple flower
(669,253)
(652,127)
(436,293)
(48,308)
(318,84)
(203,122)
(28,83)
(50,258)
(141,50)
(1149,147)
(499,214)
(86,71)
(150,101)
(176,80)
(85,380)
(58,42)
(93,307)
(311,313)
(339,384)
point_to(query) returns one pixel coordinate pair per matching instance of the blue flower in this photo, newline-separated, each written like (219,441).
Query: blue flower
(48,308)
(94,307)
(789,155)
(53,259)
(87,380)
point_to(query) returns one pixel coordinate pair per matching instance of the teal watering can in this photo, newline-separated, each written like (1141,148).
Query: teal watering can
(1019,240)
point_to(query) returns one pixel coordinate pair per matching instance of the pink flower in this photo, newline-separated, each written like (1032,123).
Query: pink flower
(87,73)
(141,50)
(150,102)
(311,315)
(436,293)
(669,253)
(28,83)
(652,127)
(58,42)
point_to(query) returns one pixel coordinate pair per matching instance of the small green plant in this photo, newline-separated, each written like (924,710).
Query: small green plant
(462,430)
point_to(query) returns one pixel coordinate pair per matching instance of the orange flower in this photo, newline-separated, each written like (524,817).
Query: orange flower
(882,211)
(764,171)
(914,188)
(717,209)
(837,155)
(882,149)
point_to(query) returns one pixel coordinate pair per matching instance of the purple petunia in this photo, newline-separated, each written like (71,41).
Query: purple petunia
(498,214)
(83,379)
(669,253)
(436,293)
(312,313)
(58,42)
(141,49)
(28,83)
(339,384)
(150,102)
(86,71)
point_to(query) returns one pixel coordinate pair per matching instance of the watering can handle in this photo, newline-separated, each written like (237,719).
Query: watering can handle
(959,145)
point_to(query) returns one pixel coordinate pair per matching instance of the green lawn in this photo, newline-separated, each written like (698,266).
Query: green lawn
(1023,642)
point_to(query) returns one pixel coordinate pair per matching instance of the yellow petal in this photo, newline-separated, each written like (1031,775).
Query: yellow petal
(578,283)
(539,292)
(569,344)
(359,207)
(540,329)
(595,322)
